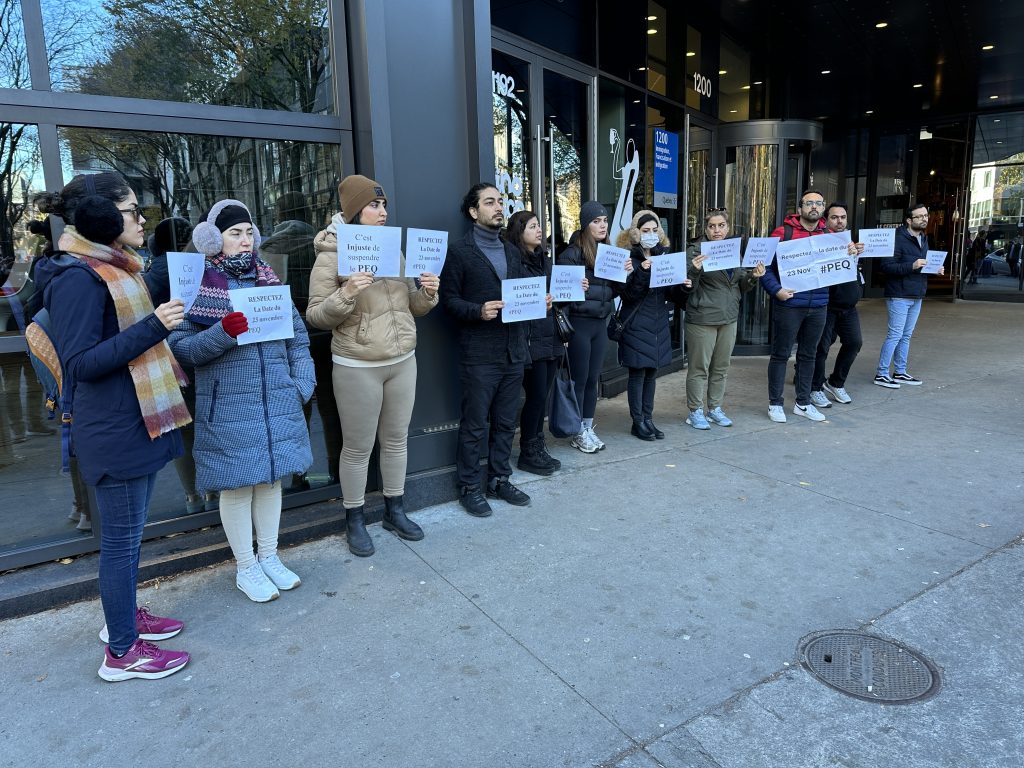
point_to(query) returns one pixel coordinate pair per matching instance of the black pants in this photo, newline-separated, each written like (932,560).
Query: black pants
(490,396)
(843,324)
(586,358)
(537,381)
(640,391)
(803,326)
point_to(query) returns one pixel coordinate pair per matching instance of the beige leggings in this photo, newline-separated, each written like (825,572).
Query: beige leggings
(241,509)
(374,402)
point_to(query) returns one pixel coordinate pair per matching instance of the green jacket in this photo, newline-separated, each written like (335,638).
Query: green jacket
(715,297)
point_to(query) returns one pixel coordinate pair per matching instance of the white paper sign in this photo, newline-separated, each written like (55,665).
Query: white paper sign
(935,261)
(525,299)
(610,263)
(365,248)
(878,243)
(567,282)
(816,262)
(668,269)
(425,250)
(268,310)
(760,249)
(720,254)
(185,274)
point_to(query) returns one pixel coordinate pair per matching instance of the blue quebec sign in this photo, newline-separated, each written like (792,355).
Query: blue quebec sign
(666,175)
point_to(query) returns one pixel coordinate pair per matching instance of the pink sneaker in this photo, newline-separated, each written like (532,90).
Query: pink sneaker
(150,627)
(144,660)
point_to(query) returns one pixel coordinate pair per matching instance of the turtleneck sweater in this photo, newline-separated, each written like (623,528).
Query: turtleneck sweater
(487,241)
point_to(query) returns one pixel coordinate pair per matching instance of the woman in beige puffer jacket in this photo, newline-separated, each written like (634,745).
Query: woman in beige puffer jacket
(374,352)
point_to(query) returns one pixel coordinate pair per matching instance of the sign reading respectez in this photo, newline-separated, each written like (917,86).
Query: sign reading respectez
(525,299)
(377,250)
(610,263)
(720,254)
(878,243)
(425,250)
(268,310)
(935,261)
(666,172)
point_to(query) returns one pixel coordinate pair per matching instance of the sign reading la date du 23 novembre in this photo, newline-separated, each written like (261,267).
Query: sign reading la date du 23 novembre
(185,274)
(525,298)
(878,243)
(610,263)
(425,250)
(363,248)
(268,310)
(720,254)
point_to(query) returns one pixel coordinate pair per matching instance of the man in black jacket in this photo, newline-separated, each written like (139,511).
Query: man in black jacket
(493,353)
(842,322)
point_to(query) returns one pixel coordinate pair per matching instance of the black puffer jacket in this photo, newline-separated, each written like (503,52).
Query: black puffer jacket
(646,342)
(599,301)
(541,334)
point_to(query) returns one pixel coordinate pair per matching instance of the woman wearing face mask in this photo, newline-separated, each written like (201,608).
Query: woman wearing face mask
(646,344)
(373,347)
(590,319)
(127,406)
(250,431)
(712,310)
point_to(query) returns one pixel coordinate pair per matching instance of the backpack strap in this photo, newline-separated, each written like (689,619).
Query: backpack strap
(787,231)
(41,344)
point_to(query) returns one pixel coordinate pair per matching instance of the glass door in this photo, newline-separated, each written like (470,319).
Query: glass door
(566,178)
(513,131)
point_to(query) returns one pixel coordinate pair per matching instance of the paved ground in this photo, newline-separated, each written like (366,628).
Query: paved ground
(645,611)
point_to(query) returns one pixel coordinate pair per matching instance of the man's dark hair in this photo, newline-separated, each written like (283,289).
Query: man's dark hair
(909,213)
(807,192)
(472,198)
(836,204)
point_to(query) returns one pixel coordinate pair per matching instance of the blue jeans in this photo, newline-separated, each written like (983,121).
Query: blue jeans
(903,315)
(122,506)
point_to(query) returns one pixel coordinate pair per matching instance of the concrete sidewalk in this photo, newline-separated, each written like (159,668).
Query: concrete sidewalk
(644,611)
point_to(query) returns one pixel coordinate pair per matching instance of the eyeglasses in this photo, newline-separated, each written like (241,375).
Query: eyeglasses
(813,203)
(918,218)
(135,211)
(723,209)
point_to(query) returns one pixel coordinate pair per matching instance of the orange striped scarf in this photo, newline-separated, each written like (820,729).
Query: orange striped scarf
(156,374)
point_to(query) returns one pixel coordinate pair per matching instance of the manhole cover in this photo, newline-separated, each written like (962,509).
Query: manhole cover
(869,667)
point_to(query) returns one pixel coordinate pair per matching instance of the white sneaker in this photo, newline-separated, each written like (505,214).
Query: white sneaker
(594,438)
(808,411)
(820,400)
(777,414)
(277,573)
(839,393)
(584,443)
(257,587)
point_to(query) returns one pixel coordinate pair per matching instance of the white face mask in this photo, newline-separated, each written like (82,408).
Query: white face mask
(649,239)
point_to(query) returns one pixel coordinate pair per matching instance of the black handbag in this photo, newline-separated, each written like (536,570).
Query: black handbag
(616,325)
(562,325)
(564,414)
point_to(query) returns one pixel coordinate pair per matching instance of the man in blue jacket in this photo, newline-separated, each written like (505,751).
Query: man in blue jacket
(796,316)
(905,287)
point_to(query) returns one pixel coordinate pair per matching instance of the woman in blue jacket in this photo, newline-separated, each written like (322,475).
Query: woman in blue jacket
(250,430)
(121,385)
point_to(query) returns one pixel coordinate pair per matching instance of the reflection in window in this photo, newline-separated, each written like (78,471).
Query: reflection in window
(734,84)
(512,139)
(13,56)
(565,102)
(247,53)
(622,145)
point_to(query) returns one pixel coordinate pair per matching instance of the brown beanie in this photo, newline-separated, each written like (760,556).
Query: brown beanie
(357,192)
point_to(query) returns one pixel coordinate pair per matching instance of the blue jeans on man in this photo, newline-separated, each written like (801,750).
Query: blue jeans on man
(903,314)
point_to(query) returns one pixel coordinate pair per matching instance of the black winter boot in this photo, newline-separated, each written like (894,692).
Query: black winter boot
(359,542)
(531,460)
(641,430)
(396,521)
(551,461)
(649,423)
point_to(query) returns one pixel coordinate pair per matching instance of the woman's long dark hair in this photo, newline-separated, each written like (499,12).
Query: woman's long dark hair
(588,244)
(513,235)
(108,184)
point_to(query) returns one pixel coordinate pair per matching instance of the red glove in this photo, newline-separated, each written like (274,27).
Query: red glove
(235,324)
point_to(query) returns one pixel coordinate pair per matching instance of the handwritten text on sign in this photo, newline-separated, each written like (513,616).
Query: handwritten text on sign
(567,283)
(878,243)
(760,249)
(525,299)
(720,254)
(185,274)
(816,262)
(268,310)
(668,269)
(935,261)
(377,250)
(424,251)
(610,263)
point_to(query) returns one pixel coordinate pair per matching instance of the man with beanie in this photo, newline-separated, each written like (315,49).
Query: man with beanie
(493,353)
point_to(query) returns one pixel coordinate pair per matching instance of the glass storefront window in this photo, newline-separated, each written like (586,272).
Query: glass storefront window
(512,139)
(565,103)
(734,84)
(13,56)
(618,21)
(246,53)
(622,146)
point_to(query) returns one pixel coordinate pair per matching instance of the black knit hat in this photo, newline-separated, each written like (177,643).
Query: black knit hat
(591,210)
(170,235)
(97,219)
(231,215)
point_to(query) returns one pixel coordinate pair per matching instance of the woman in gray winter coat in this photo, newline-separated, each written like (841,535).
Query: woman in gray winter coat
(250,431)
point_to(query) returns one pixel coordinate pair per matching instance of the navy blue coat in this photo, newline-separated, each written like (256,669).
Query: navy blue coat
(646,342)
(107,430)
(902,281)
(541,334)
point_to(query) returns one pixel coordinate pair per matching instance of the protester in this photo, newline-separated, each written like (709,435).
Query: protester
(712,312)
(250,431)
(374,352)
(590,319)
(492,353)
(121,385)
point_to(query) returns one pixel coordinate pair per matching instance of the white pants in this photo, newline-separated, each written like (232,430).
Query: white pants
(243,508)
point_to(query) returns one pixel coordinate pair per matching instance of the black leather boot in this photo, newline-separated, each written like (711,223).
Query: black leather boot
(396,521)
(531,460)
(649,423)
(359,542)
(551,461)
(641,430)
